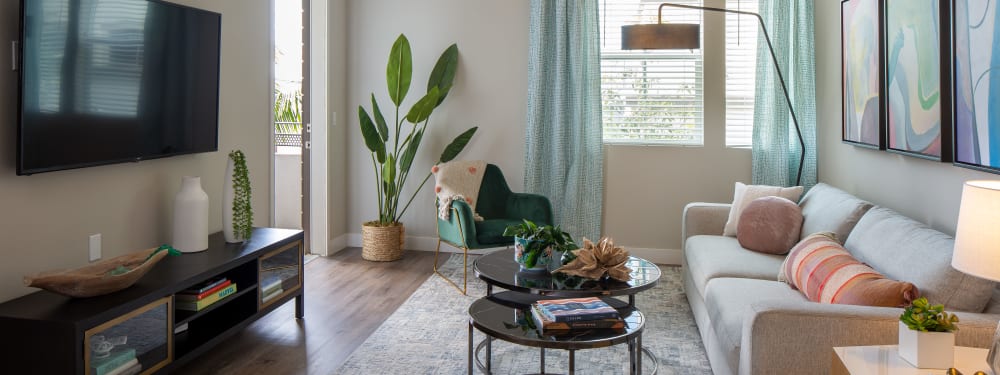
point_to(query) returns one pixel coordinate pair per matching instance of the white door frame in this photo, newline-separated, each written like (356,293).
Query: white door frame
(315,126)
(320,122)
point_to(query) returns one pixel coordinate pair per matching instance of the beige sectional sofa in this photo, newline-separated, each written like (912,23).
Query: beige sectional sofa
(751,323)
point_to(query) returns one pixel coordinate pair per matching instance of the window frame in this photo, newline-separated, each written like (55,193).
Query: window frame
(712,47)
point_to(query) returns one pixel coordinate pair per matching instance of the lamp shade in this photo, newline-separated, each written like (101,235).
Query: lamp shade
(661,36)
(977,239)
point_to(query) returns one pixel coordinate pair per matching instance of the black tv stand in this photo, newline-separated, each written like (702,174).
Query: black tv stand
(47,333)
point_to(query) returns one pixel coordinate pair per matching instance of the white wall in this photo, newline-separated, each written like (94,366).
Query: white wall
(924,190)
(646,188)
(48,217)
(489,92)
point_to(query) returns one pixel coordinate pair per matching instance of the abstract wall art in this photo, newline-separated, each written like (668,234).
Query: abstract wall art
(918,78)
(977,84)
(861,68)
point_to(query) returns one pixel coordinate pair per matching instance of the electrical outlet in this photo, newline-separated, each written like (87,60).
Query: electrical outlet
(95,247)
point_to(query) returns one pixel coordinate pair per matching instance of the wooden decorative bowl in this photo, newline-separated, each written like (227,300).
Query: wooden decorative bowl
(97,279)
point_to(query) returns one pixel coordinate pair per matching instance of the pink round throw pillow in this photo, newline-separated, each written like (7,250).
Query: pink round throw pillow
(770,225)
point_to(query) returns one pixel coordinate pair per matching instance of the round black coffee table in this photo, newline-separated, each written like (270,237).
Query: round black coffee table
(499,268)
(491,314)
(507,316)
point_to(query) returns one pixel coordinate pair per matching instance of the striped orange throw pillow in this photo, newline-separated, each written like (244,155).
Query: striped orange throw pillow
(825,272)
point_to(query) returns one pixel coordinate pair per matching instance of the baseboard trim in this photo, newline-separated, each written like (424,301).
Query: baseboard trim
(421,243)
(658,256)
(418,243)
(353,239)
(337,244)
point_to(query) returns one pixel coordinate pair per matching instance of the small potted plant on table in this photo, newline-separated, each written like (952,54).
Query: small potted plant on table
(926,335)
(537,247)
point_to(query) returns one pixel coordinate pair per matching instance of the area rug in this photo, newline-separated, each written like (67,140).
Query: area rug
(428,334)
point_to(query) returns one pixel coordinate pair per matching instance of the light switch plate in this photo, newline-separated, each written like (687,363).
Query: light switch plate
(95,247)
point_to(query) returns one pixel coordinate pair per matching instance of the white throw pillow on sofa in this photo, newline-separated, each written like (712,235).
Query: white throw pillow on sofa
(744,194)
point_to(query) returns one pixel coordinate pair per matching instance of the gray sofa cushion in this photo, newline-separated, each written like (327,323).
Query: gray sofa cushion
(708,257)
(993,307)
(828,209)
(906,250)
(727,301)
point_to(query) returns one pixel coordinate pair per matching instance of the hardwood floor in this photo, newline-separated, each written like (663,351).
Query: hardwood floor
(346,298)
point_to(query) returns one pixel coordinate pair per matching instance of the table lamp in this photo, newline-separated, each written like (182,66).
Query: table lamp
(977,242)
(688,36)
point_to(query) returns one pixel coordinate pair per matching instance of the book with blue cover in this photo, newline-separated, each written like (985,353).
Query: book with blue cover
(129,368)
(115,360)
(576,309)
(548,327)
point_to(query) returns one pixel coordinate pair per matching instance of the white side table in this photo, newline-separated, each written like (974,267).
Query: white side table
(885,359)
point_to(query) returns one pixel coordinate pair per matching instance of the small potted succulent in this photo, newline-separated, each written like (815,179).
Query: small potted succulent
(926,335)
(537,248)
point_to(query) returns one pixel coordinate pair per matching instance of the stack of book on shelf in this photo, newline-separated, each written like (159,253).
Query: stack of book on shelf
(202,296)
(558,316)
(118,362)
(270,289)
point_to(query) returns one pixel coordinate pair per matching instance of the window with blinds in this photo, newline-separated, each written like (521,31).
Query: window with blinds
(649,97)
(111,58)
(741,65)
(51,44)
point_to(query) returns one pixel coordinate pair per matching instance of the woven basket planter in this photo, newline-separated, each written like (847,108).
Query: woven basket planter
(382,243)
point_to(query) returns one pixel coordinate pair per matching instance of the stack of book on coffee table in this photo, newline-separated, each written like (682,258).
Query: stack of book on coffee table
(561,316)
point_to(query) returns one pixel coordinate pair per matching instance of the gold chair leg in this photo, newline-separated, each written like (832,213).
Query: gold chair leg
(465,269)
(436,252)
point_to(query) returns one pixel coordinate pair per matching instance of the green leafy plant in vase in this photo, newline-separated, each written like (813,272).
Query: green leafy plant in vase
(393,146)
(536,247)
(926,335)
(924,317)
(237,212)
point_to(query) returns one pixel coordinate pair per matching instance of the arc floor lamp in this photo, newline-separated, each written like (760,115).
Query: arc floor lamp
(688,36)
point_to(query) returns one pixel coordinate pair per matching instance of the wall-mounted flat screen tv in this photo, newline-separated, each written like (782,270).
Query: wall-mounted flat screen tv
(111,81)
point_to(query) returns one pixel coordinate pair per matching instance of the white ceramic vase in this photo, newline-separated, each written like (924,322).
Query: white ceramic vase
(228,193)
(191,216)
(927,349)
(541,263)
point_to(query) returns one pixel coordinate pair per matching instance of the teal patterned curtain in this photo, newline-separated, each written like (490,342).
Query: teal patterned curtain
(776,148)
(563,157)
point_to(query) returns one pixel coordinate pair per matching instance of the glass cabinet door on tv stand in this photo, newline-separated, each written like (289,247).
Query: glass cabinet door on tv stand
(280,274)
(137,342)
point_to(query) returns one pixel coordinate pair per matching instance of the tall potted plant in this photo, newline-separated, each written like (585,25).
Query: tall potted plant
(393,146)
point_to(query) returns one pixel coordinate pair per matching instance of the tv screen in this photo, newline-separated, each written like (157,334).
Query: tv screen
(110,81)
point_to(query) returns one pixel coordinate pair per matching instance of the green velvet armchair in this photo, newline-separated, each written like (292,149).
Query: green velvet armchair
(499,208)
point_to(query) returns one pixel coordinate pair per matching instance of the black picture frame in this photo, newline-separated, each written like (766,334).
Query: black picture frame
(868,130)
(966,150)
(912,144)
